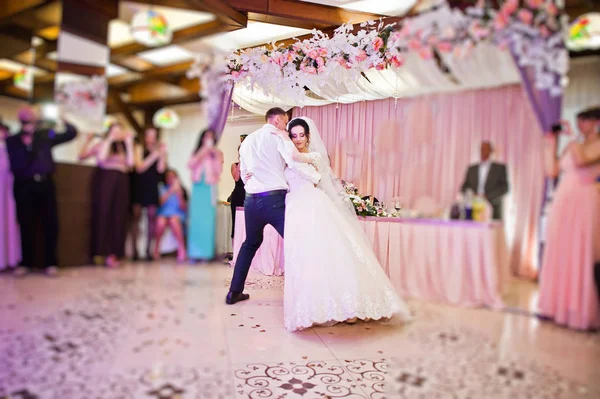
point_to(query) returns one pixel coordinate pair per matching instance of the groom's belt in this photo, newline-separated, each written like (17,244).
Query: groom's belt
(266,194)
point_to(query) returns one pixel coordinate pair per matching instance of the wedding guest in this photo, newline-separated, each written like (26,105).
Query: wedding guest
(568,292)
(172,213)
(238,195)
(110,192)
(32,165)
(488,179)
(10,247)
(206,166)
(150,165)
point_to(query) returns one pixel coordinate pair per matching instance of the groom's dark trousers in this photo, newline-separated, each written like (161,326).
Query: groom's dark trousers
(259,210)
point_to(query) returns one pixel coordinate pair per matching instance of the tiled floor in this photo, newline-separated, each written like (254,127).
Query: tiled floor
(164,332)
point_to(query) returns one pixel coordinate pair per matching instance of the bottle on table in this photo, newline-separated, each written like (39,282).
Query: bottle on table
(468,205)
(478,209)
(456,209)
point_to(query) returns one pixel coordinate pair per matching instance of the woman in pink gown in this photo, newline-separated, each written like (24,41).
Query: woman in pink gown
(10,246)
(568,292)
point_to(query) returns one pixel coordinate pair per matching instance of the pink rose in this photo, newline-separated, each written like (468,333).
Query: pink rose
(535,4)
(320,62)
(404,32)
(380,66)
(344,63)
(552,9)
(432,40)
(377,44)
(510,7)
(544,31)
(313,54)
(396,62)
(501,21)
(525,16)
(235,74)
(426,53)
(311,70)
(362,55)
(323,51)
(414,44)
(444,47)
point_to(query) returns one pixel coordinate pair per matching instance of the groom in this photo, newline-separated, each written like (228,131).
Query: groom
(264,155)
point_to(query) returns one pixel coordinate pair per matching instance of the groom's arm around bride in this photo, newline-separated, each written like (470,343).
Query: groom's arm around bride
(264,155)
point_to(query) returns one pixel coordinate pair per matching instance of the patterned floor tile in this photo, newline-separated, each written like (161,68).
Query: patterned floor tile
(316,379)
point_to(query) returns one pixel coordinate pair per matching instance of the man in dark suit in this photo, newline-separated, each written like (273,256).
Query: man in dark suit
(488,179)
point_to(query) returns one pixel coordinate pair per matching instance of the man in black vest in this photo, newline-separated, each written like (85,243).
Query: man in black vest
(31,162)
(488,179)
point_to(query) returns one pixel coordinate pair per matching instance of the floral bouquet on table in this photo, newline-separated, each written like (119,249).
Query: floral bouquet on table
(361,207)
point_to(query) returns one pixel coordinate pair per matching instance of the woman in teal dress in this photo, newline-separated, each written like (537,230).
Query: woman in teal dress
(206,165)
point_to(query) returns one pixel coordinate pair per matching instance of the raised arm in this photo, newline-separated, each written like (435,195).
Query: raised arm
(198,157)
(129,150)
(551,166)
(235,172)
(104,148)
(162,159)
(88,150)
(143,164)
(59,138)
(586,154)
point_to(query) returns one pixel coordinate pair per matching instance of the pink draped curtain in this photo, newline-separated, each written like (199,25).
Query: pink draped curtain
(421,147)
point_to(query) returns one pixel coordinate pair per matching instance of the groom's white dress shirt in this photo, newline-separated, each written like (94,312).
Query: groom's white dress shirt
(265,156)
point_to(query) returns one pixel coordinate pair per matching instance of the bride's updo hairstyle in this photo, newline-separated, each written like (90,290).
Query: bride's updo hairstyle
(299,122)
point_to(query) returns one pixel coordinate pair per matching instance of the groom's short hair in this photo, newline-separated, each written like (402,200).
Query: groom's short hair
(273,112)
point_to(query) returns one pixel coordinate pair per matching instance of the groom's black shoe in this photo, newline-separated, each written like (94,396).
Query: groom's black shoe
(234,297)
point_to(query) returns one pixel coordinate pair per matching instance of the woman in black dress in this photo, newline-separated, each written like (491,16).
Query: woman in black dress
(150,164)
(238,194)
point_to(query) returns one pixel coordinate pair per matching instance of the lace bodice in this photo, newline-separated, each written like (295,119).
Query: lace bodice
(296,181)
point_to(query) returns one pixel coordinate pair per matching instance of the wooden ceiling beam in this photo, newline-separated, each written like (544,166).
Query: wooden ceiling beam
(290,11)
(226,14)
(179,36)
(10,9)
(124,108)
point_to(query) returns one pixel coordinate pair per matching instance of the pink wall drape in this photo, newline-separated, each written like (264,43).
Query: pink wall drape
(421,147)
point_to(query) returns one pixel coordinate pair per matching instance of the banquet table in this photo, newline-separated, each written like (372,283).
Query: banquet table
(461,263)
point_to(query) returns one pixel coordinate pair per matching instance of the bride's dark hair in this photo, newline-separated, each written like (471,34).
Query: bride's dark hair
(299,122)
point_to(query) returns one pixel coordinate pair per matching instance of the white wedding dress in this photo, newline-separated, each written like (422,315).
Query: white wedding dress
(331,272)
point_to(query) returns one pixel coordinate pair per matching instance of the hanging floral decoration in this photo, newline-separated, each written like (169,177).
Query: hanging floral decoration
(151,28)
(23,79)
(165,118)
(84,94)
(211,68)
(532,29)
(584,33)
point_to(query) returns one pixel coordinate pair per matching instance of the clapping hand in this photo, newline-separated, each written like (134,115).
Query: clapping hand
(128,137)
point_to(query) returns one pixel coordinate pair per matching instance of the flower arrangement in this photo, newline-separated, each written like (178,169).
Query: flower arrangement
(361,207)
(533,29)
(84,94)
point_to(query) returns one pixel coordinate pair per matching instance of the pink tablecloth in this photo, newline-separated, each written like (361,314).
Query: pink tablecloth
(459,263)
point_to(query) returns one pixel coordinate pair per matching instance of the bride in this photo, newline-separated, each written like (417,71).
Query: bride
(331,272)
